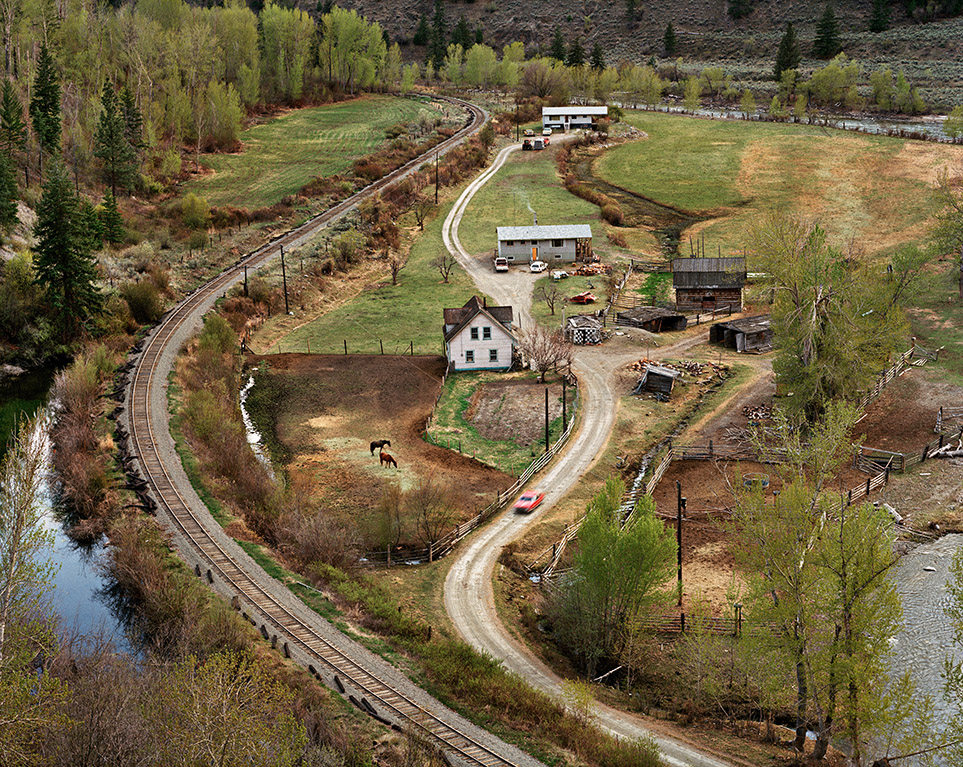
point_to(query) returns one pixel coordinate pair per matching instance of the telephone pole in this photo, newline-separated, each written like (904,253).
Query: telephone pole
(284,280)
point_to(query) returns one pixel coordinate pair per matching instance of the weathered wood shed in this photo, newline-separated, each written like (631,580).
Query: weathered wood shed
(652,318)
(584,329)
(657,379)
(751,334)
(705,284)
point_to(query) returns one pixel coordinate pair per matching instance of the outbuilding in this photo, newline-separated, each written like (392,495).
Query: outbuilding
(560,244)
(750,334)
(652,318)
(479,337)
(657,379)
(572,116)
(584,329)
(707,284)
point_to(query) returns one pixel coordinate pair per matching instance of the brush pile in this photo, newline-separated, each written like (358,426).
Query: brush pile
(758,412)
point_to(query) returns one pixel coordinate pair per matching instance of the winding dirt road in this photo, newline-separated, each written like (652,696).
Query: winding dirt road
(469,597)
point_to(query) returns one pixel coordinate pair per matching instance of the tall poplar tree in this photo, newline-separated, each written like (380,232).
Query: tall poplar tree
(13,129)
(45,104)
(111,146)
(826,45)
(64,266)
(788,56)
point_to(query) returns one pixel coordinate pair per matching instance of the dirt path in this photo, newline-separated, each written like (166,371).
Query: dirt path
(469,596)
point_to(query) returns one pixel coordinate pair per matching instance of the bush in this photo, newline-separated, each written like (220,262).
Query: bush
(195,212)
(613,213)
(197,240)
(144,300)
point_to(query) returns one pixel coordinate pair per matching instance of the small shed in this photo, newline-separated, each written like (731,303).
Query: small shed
(706,284)
(584,329)
(652,318)
(657,379)
(751,334)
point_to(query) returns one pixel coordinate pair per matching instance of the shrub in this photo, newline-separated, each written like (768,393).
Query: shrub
(613,213)
(197,240)
(144,300)
(195,212)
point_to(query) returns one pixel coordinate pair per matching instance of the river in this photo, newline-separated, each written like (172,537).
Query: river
(81,592)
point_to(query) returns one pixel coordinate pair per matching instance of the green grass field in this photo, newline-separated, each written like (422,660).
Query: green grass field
(409,312)
(938,316)
(280,156)
(566,288)
(870,191)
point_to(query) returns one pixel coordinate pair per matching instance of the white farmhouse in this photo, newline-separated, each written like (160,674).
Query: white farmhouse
(479,337)
(552,244)
(572,116)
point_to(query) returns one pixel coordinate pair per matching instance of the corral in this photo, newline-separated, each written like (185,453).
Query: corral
(321,412)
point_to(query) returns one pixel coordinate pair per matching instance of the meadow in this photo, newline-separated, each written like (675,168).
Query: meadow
(869,193)
(283,154)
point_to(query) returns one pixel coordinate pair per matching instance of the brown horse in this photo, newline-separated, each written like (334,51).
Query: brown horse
(378,444)
(387,459)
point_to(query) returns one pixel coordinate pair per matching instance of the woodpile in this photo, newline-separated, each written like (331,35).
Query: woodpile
(758,412)
(590,270)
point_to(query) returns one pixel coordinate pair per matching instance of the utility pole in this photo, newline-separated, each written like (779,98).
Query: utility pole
(678,535)
(546,419)
(436,177)
(284,280)
(245,280)
(564,420)
(516,121)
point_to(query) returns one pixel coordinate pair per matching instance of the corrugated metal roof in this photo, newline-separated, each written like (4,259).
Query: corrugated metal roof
(560,232)
(758,324)
(725,264)
(573,109)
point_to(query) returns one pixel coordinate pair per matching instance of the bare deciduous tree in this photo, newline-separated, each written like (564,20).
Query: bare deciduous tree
(431,503)
(444,263)
(546,350)
(396,262)
(550,296)
(422,207)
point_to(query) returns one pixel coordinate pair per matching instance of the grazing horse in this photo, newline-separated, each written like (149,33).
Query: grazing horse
(387,459)
(378,444)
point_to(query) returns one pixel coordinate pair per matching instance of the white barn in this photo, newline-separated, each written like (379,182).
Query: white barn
(552,244)
(572,116)
(479,337)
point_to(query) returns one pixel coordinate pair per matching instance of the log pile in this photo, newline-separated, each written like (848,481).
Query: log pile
(758,412)
(590,270)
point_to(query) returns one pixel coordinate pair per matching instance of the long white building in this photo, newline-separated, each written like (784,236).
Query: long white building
(572,116)
(553,244)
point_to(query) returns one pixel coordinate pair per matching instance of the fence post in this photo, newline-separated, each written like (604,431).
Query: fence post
(867,485)
(431,551)
(346,347)
(710,448)
(382,343)
(925,450)
(849,497)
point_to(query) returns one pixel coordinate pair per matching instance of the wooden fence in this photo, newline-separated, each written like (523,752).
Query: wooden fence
(444,545)
(885,377)
(947,414)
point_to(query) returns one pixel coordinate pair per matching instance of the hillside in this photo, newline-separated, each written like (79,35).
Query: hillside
(930,53)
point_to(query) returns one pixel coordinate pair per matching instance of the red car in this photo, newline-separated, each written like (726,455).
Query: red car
(528,502)
(583,298)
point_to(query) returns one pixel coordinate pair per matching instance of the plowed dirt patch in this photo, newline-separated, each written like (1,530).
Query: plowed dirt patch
(514,410)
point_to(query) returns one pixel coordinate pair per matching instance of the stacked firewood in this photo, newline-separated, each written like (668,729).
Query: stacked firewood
(758,412)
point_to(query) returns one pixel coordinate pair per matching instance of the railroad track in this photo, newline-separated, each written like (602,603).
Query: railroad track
(226,568)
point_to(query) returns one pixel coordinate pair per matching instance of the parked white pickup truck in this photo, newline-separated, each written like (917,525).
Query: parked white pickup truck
(501,264)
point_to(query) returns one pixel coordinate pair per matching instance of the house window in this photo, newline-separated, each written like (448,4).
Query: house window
(487,334)
(534,242)
(510,258)
(509,243)
(493,355)
(556,243)
(469,356)
(474,334)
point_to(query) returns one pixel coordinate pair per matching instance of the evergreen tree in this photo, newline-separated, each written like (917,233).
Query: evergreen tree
(788,56)
(422,33)
(597,58)
(668,40)
(479,35)
(8,194)
(557,51)
(826,45)
(631,11)
(438,42)
(13,129)
(576,55)
(110,220)
(462,35)
(45,104)
(879,21)
(91,225)
(133,120)
(739,9)
(63,263)
(110,143)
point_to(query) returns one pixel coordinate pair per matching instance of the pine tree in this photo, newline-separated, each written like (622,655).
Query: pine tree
(826,45)
(462,35)
(597,59)
(739,9)
(13,129)
(788,56)
(91,225)
(438,42)
(133,120)
(576,55)
(110,143)
(557,51)
(64,266)
(422,33)
(879,21)
(111,221)
(631,11)
(668,40)
(45,104)
(479,35)
(8,194)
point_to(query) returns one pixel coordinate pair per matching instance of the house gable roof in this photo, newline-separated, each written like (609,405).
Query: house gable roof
(574,109)
(457,319)
(709,272)
(559,232)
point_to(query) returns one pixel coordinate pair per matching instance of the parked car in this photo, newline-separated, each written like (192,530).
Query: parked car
(528,502)
(546,131)
(583,298)
(527,145)
(538,266)
(501,264)
(559,274)
(529,132)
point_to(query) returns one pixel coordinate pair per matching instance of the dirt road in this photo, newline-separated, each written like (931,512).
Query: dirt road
(469,597)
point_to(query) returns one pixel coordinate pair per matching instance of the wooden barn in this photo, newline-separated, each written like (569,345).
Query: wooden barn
(652,318)
(751,334)
(706,284)
(584,329)
(658,380)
